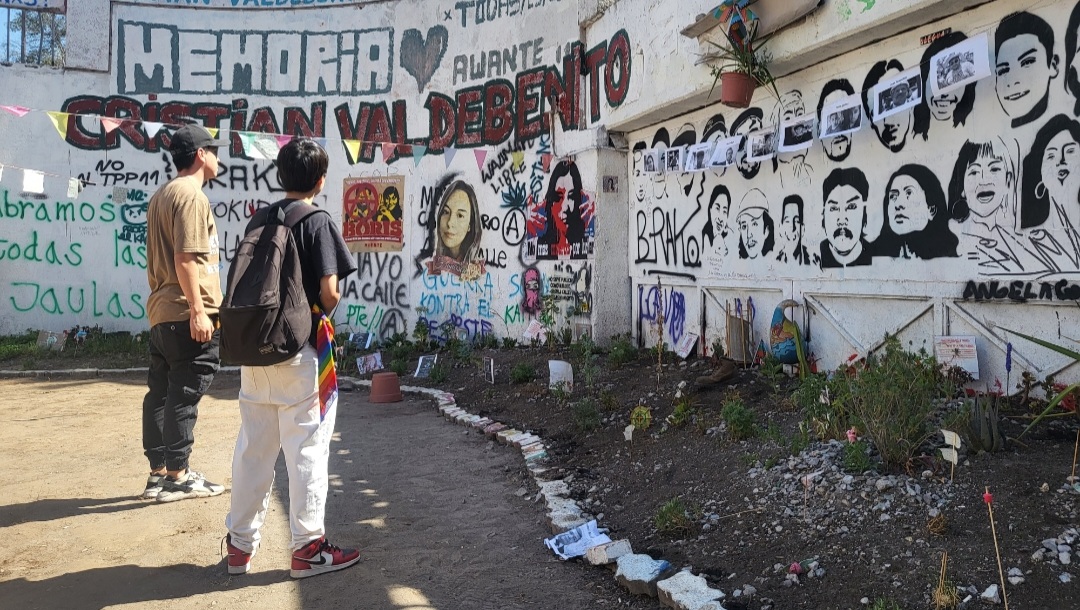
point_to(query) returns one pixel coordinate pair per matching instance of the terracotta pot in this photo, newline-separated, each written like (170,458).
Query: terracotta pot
(385,388)
(736,89)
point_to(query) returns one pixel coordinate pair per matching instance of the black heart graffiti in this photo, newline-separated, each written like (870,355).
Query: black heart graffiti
(420,58)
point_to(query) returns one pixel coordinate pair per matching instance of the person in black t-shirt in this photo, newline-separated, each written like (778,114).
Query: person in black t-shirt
(281,408)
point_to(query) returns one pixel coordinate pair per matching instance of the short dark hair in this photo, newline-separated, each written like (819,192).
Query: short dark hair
(1023,22)
(795,199)
(1035,209)
(300,165)
(850,176)
(873,77)
(836,84)
(184,159)
(1072,79)
(966,100)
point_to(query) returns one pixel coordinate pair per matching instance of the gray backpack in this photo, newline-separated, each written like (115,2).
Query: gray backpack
(266,317)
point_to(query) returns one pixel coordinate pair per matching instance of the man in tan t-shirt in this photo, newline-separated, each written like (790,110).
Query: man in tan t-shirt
(185,293)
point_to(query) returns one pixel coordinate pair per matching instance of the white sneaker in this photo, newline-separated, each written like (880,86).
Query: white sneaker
(191,485)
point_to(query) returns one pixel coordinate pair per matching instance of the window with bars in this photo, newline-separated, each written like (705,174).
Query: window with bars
(32,37)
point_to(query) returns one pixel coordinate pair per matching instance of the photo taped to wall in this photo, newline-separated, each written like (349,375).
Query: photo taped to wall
(761,145)
(842,117)
(652,161)
(897,94)
(960,65)
(726,151)
(676,158)
(697,157)
(797,134)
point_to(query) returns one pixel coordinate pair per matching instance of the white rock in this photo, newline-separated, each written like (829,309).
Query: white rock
(991,595)
(1064,558)
(1065,577)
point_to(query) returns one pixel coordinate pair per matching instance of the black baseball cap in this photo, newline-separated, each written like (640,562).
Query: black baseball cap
(193,137)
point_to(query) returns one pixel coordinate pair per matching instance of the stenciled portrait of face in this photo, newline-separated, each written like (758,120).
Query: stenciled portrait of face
(837,148)
(791,223)
(893,130)
(640,179)
(1072,58)
(908,211)
(661,141)
(748,122)
(1049,174)
(1061,173)
(845,216)
(989,180)
(1025,65)
(755,226)
(456,230)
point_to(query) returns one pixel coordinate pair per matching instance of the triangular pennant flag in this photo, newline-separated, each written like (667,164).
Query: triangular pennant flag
(283,140)
(60,122)
(74,184)
(519,158)
(388,149)
(19,111)
(480,154)
(353,147)
(321,142)
(418,152)
(109,123)
(151,128)
(448,155)
(213,131)
(33,181)
(259,146)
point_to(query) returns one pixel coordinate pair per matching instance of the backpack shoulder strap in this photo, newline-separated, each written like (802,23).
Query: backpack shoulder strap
(296,212)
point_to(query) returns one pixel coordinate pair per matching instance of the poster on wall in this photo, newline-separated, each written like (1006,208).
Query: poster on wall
(371,213)
(675,159)
(457,232)
(959,351)
(960,65)
(726,151)
(760,145)
(897,94)
(561,225)
(841,117)
(797,134)
(653,160)
(697,157)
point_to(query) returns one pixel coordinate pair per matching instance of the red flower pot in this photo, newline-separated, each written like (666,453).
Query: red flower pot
(736,89)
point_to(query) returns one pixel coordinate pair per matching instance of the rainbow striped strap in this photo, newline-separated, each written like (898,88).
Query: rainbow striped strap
(324,344)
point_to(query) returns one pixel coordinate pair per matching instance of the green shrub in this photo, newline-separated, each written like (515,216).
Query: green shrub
(586,416)
(488,341)
(718,350)
(509,343)
(622,351)
(399,366)
(522,373)
(683,414)
(566,335)
(857,457)
(739,419)
(672,518)
(885,604)
(823,403)
(438,373)
(892,399)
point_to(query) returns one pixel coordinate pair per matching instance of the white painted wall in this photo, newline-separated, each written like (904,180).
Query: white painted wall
(849,309)
(68,261)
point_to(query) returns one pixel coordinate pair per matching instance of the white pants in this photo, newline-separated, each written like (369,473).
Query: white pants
(279,411)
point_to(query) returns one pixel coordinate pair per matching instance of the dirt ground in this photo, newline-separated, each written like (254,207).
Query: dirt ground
(444,519)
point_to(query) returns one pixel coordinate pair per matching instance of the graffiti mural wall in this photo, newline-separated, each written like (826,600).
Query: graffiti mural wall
(970,196)
(444,173)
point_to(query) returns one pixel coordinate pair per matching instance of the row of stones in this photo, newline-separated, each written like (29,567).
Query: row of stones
(638,573)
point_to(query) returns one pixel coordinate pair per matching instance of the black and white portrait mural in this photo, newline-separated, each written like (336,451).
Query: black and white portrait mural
(1025,65)
(953,160)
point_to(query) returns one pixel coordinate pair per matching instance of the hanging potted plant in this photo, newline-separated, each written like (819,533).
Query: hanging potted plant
(740,63)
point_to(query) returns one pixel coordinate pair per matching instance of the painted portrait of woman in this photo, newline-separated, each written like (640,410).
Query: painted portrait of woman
(982,189)
(457,230)
(1051,191)
(917,217)
(564,221)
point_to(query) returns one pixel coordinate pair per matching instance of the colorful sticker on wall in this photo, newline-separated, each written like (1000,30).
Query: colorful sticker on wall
(561,226)
(372,213)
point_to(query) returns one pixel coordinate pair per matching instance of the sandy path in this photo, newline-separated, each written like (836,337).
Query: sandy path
(433,509)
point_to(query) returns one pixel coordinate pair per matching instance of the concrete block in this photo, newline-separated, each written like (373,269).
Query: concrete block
(640,573)
(521,440)
(604,554)
(504,436)
(557,487)
(535,455)
(494,428)
(481,423)
(685,591)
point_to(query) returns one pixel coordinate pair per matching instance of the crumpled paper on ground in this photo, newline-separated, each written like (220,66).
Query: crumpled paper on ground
(574,543)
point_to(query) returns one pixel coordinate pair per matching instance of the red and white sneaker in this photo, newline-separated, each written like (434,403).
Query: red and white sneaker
(319,556)
(239,561)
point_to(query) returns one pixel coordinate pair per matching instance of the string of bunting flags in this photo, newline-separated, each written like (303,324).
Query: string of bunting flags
(256,145)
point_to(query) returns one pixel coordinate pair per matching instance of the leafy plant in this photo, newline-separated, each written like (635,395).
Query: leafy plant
(739,419)
(566,335)
(672,518)
(586,416)
(585,352)
(772,368)
(856,458)
(1062,394)
(823,402)
(399,366)
(683,414)
(487,341)
(882,603)
(421,331)
(438,373)
(718,350)
(981,423)
(892,400)
(561,392)
(522,373)
(743,52)
(509,343)
(622,351)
